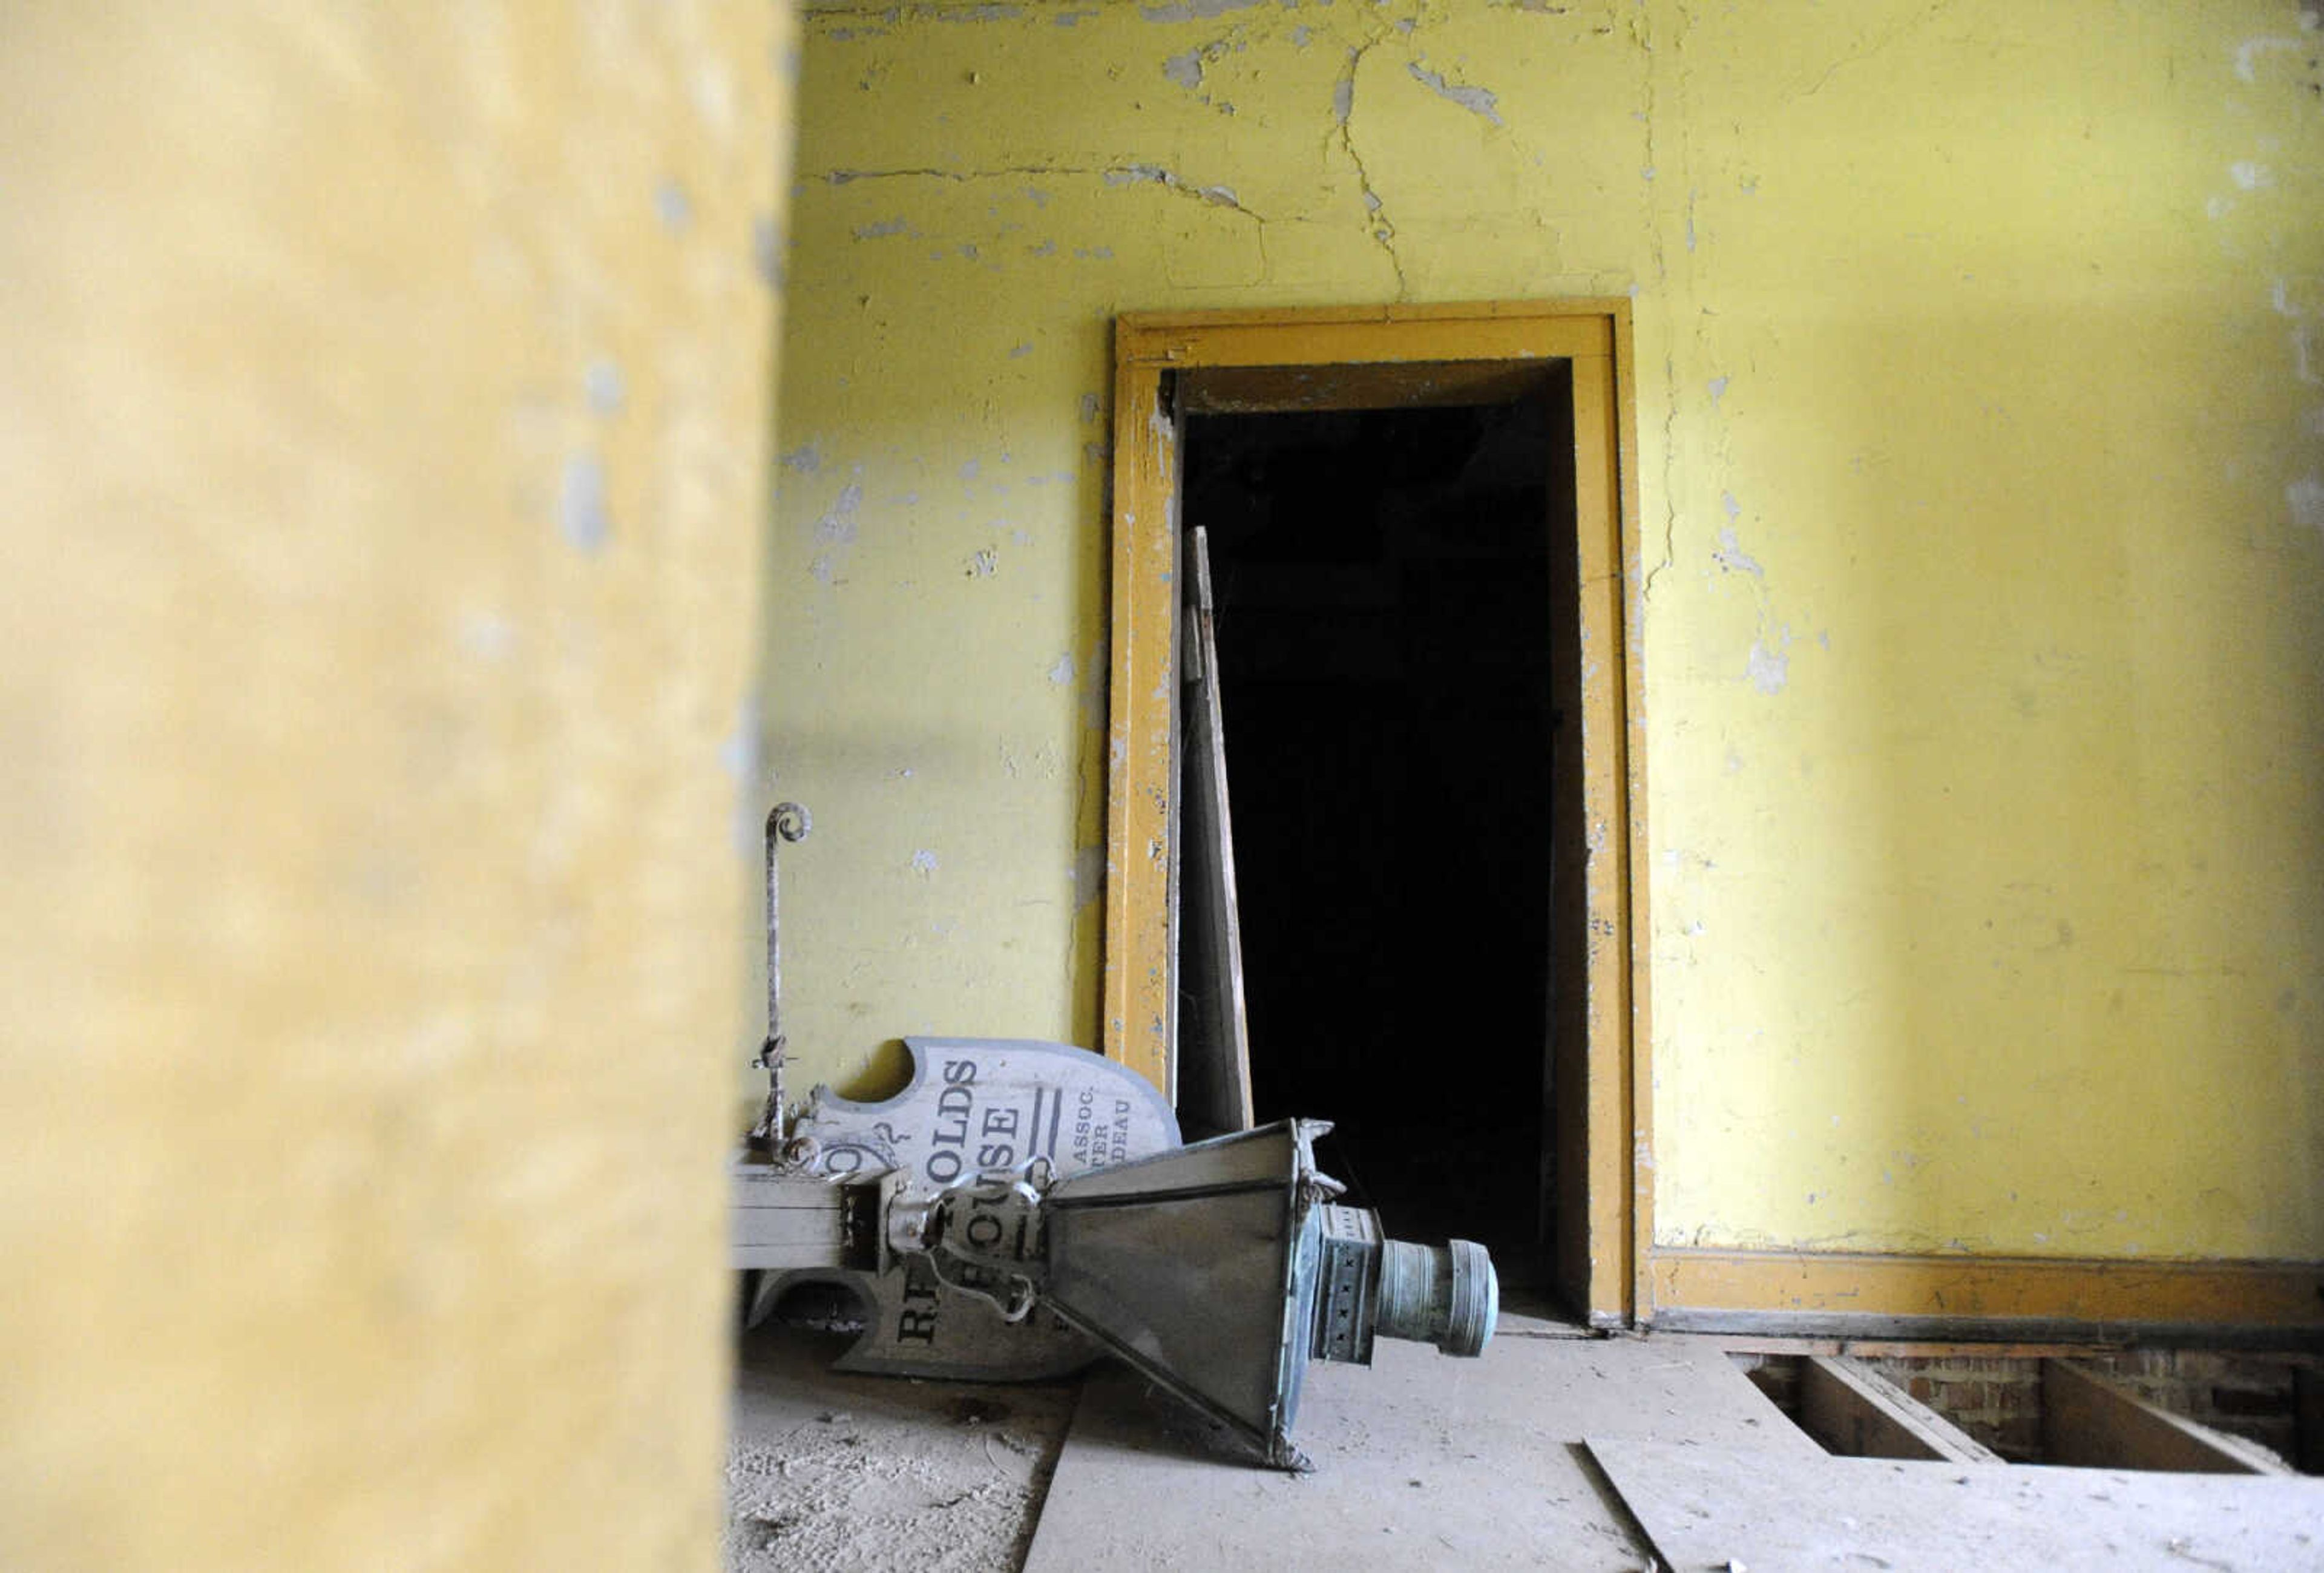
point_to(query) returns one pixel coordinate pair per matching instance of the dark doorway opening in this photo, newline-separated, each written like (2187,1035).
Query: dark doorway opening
(1387,608)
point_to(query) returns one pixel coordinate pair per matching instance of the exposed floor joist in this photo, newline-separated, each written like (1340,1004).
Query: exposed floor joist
(2089,1419)
(1861,1413)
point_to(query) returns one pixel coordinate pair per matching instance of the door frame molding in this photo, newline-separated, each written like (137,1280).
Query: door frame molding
(1336,357)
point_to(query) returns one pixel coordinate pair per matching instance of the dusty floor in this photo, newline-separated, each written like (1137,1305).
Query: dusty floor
(825,1471)
(1421,1461)
(1556,1450)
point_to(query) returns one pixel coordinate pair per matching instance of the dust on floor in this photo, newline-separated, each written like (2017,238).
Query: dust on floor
(830,1471)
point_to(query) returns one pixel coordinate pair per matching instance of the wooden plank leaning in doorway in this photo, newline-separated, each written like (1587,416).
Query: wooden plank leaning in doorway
(1372,357)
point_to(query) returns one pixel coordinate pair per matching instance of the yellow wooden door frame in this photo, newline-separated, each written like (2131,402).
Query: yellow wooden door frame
(1340,358)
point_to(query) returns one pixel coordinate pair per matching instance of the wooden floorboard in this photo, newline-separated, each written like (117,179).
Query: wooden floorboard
(1853,1410)
(1706,1507)
(2088,1419)
(1421,1461)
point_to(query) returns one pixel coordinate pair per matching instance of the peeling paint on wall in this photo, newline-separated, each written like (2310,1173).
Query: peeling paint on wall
(2306,498)
(1768,669)
(1477,101)
(1196,10)
(1731,556)
(2017,557)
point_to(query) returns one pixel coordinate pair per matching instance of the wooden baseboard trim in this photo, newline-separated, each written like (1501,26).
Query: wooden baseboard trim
(2017,1298)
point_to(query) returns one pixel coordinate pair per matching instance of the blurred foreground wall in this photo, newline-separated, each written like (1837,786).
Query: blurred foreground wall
(382,436)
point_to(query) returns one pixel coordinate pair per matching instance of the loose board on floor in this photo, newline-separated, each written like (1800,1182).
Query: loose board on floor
(1421,1461)
(1706,1507)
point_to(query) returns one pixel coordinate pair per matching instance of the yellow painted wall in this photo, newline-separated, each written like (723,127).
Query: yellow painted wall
(1981,423)
(383,407)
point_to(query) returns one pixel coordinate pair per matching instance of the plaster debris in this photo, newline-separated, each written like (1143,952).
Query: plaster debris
(984,564)
(1063,672)
(1185,69)
(1478,101)
(924,861)
(581,512)
(828,1470)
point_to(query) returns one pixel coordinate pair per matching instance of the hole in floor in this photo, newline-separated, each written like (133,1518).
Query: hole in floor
(2120,1409)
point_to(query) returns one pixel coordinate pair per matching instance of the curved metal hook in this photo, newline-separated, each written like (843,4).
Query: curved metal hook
(791,821)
